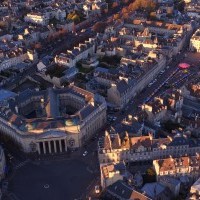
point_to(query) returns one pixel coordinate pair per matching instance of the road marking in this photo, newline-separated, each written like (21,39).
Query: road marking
(21,164)
(89,170)
(46,186)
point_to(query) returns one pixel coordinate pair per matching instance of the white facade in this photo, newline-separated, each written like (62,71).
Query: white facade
(195,41)
(37,18)
(145,151)
(78,53)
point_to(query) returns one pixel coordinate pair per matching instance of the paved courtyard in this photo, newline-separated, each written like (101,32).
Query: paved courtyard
(64,180)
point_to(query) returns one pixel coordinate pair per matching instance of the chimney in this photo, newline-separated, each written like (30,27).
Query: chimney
(171,159)
(150,136)
(114,86)
(170,138)
(106,133)
(130,117)
(126,134)
(196,118)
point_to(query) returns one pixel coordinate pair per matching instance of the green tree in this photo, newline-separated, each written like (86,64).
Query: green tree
(180,5)
(117,16)
(76,18)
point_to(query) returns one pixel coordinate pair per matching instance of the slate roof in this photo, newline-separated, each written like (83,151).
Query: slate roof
(177,141)
(8,109)
(123,191)
(101,69)
(5,94)
(120,189)
(169,180)
(86,111)
(132,129)
(155,189)
(122,86)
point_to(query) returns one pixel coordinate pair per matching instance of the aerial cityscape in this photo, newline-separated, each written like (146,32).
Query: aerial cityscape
(99,99)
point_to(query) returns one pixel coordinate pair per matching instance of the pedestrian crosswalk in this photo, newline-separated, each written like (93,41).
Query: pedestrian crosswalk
(21,164)
(57,157)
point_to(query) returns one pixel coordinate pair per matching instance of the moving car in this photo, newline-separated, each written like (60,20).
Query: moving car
(85,153)
(10,156)
(97,189)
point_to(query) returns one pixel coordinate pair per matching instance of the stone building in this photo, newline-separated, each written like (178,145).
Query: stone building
(195,41)
(53,120)
(116,148)
(156,110)
(176,167)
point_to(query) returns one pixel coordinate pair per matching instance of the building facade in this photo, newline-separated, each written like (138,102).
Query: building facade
(176,167)
(195,41)
(52,121)
(113,148)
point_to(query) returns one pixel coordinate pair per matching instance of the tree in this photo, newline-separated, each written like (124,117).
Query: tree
(180,5)
(150,172)
(2,24)
(116,16)
(150,6)
(99,27)
(38,45)
(124,10)
(114,5)
(75,16)
(147,5)
(125,15)
(152,15)
(76,19)
(109,2)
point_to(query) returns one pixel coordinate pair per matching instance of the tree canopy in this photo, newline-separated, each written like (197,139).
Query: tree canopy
(99,27)
(145,5)
(179,5)
(75,16)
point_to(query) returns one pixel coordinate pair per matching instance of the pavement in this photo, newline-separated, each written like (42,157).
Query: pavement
(68,176)
(66,179)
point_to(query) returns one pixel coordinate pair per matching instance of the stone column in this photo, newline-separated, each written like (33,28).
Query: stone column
(44,147)
(49,143)
(60,145)
(38,148)
(55,148)
(65,140)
